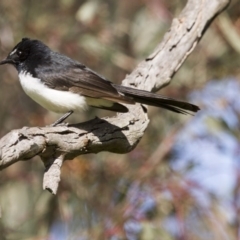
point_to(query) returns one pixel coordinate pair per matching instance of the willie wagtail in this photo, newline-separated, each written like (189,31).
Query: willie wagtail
(63,85)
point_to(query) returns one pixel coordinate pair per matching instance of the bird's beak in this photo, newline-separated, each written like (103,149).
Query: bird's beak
(5,61)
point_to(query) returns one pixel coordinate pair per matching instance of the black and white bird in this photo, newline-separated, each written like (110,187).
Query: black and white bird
(63,85)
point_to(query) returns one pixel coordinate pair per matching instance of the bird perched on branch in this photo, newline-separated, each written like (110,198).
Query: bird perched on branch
(63,85)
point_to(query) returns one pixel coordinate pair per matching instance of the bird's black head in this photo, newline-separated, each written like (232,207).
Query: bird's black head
(27,53)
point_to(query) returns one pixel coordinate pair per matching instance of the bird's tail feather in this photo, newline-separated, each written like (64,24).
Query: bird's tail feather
(157,100)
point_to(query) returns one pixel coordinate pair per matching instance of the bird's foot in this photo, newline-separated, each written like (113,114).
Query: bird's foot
(60,122)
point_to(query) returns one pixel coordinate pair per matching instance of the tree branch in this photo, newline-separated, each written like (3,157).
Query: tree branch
(119,134)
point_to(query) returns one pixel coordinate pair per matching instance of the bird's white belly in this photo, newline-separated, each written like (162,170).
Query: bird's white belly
(51,99)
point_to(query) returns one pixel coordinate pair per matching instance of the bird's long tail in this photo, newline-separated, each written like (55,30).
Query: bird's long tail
(157,100)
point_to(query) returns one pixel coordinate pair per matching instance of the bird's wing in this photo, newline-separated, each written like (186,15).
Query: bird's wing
(82,80)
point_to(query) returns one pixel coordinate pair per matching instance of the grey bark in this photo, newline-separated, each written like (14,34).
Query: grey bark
(119,134)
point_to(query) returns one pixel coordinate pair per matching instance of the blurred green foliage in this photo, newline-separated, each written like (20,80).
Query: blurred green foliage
(95,199)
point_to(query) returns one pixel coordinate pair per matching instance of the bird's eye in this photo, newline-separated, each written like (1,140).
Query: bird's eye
(22,54)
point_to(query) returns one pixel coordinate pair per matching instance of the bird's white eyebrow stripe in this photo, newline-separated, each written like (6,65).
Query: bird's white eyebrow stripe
(13,52)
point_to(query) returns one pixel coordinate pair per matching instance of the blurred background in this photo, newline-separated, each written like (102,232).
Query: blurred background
(181,181)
